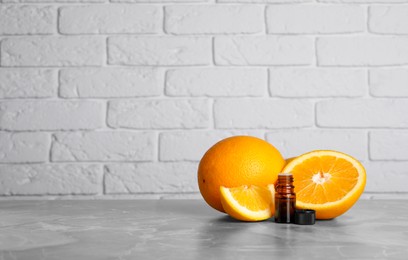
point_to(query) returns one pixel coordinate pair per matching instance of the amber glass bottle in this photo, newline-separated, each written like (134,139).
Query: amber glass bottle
(285,199)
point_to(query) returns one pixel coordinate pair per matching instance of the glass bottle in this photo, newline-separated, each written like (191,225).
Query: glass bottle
(285,199)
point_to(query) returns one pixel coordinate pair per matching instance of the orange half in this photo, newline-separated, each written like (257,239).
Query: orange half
(248,202)
(329,182)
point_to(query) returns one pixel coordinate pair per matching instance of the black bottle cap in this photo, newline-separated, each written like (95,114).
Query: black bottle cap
(305,217)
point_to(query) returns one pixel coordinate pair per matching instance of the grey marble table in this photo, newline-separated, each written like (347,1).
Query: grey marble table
(189,229)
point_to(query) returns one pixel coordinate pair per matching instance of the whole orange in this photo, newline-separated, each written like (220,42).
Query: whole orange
(236,161)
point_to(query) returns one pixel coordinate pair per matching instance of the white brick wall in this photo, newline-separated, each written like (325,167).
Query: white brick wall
(52,51)
(262,113)
(214,19)
(157,114)
(216,82)
(263,50)
(389,82)
(317,82)
(315,19)
(24,147)
(20,20)
(102,146)
(21,115)
(108,83)
(362,51)
(102,19)
(389,19)
(50,179)
(28,83)
(156,51)
(113,98)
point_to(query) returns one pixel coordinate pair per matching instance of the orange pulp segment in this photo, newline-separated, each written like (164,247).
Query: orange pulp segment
(329,182)
(248,202)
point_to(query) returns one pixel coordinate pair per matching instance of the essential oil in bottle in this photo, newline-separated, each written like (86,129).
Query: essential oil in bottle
(285,199)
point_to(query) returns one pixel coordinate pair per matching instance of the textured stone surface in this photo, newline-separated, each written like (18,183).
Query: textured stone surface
(103,146)
(305,82)
(389,145)
(189,229)
(25,19)
(362,113)
(52,51)
(262,113)
(389,82)
(191,146)
(153,114)
(144,177)
(292,143)
(109,19)
(317,19)
(362,51)
(214,19)
(24,147)
(100,83)
(47,179)
(159,50)
(263,50)
(51,115)
(216,82)
(28,83)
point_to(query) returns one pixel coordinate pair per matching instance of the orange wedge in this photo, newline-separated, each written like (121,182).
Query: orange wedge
(248,202)
(329,182)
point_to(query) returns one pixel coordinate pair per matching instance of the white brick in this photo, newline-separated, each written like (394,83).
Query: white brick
(156,114)
(192,145)
(389,145)
(264,50)
(311,82)
(364,1)
(265,1)
(103,146)
(151,177)
(389,82)
(45,179)
(387,177)
(51,115)
(216,82)
(84,83)
(262,113)
(214,19)
(23,19)
(315,19)
(110,19)
(53,51)
(27,83)
(388,19)
(158,1)
(362,51)
(53,1)
(159,51)
(24,147)
(292,143)
(362,113)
